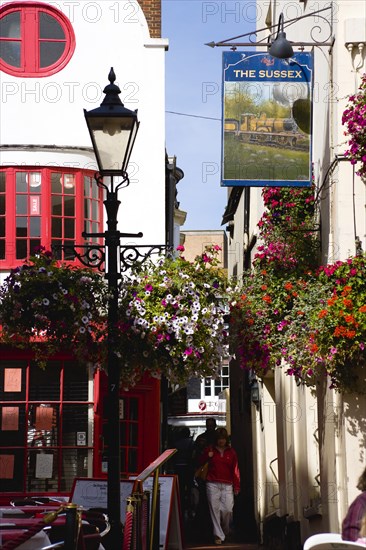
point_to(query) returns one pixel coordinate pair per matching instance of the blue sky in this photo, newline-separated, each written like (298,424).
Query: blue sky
(193,87)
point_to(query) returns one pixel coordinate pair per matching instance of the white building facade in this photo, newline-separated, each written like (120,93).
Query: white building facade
(43,96)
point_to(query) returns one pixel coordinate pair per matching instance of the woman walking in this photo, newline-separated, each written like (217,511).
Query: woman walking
(222,483)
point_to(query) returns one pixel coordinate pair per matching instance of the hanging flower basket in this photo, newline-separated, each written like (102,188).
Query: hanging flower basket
(354,118)
(310,322)
(172,318)
(171,315)
(47,306)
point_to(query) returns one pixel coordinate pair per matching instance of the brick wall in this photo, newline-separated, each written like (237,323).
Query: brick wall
(152,11)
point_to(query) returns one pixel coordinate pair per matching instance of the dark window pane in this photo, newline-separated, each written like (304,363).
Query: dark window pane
(86,187)
(21,249)
(2,249)
(35,180)
(69,184)
(13,395)
(87,209)
(56,205)
(21,182)
(44,385)
(56,227)
(56,179)
(133,409)
(34,245)
(10,52)
(69,206)
(10,25)
(2,182)
(74,464)
(2,204)
(74,420)
(133,434)
(14,435)
(55,247)
(35,226)
(95,210)
(16,483)
(69,253)
(123,460)
(95,191)
(49,27)
(51,52)
(43,425)
(69,231)
(75,382)
(132,460)
(22,204)
(95,227)
(40,485)
(21,229)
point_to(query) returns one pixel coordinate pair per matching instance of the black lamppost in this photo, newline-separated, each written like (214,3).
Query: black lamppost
(113,130)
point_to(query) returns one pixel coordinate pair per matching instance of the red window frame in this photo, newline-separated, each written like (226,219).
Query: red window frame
(8,215)
(24,440)
(30,39)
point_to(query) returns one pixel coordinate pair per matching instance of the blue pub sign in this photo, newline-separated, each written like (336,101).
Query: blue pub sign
(266,120)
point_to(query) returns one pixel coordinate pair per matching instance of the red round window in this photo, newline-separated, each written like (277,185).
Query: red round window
(35,39)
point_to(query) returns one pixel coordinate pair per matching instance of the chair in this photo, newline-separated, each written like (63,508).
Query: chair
(330,541)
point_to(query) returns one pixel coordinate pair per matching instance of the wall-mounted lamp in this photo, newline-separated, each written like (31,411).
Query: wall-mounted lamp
(281,47)
(255,393)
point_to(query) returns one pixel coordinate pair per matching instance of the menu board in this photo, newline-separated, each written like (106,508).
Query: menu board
(92,493)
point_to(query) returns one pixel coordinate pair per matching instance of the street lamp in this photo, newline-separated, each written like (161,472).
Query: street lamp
(113,130)
(281,47)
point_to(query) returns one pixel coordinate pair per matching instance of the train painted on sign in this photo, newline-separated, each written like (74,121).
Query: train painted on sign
(281,132)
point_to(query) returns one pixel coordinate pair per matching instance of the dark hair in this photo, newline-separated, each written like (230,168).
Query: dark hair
(221,433)
(184,432)
(211,421)
(361,485)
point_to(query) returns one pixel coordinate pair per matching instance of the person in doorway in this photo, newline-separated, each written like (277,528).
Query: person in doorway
(202,519)
(222,483)
(183,466)
(208,436)
(355,520)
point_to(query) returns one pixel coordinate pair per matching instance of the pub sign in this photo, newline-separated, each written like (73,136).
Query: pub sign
(266,120)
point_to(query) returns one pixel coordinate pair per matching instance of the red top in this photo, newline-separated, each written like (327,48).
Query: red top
(222,468)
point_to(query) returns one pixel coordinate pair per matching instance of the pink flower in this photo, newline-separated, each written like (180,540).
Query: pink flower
(180,248)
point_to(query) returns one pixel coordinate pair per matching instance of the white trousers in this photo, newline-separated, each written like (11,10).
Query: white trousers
(220,498)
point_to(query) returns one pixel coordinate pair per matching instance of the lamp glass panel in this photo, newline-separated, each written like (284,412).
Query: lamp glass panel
(111,137)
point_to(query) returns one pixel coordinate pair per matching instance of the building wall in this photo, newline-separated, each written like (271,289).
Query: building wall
(196,241)
(48,111)
(314,445)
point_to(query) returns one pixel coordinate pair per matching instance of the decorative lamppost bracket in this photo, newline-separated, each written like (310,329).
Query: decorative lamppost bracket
(315,34)
(94,255)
